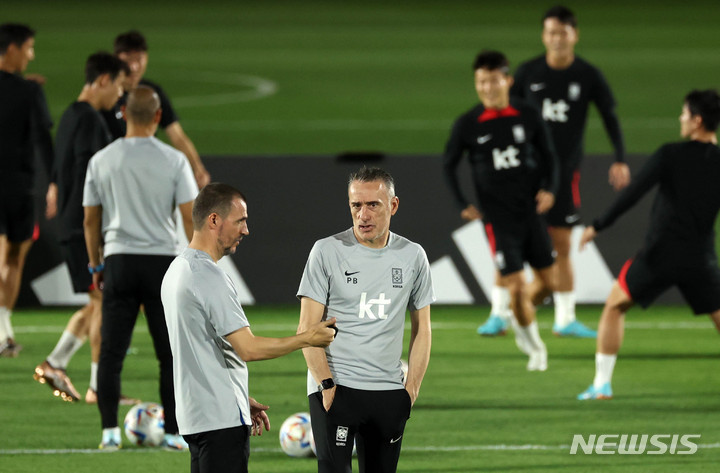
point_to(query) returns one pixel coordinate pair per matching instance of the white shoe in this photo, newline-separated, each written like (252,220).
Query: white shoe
(538,360)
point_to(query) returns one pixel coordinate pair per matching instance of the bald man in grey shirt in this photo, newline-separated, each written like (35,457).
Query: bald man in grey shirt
(132,188)
(211,338)
(366,277)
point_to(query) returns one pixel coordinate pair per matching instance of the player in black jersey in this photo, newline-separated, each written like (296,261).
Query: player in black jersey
(24,126)
(562,85)
(514,169)
(81,133)
(132,48)
(680,243)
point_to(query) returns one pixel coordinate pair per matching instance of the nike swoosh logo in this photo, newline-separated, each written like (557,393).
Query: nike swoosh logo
(350,274)
(484,139)
(572,218)
(536,87)
(395,440)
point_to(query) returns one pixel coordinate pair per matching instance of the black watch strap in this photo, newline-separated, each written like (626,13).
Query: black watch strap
(328,383)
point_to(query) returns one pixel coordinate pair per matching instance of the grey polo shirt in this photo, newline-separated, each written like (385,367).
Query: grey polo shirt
(210,379)
(369,291)
(139,182)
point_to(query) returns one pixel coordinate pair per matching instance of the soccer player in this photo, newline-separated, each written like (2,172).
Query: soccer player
(132,48)
(131,189)
(81,133)
(366,277)
(211,339)
(24,125)
(680,242)
(514,169)
(563,85)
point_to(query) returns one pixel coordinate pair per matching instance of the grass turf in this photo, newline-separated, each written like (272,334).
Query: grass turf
(387,76)
(477,409)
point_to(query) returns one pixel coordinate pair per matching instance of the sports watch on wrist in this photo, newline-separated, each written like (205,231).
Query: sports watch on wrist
(326,384)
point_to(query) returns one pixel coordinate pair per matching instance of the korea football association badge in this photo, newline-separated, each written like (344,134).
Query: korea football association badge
(574,91)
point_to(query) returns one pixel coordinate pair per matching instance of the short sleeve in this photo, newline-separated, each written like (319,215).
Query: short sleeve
(91,196)
(422,293)
(186,188)
(315,282)
(222,304)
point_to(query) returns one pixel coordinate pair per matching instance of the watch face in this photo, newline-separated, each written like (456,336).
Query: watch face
(328,383)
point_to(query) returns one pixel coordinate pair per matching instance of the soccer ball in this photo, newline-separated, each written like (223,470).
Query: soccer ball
(145,424)
(296,437)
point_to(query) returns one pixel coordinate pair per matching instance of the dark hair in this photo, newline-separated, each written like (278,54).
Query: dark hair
(706,104)
(491,60)
(366,174)
(563,14)
(131,41)
(104,63)
(14,33)
(213,198)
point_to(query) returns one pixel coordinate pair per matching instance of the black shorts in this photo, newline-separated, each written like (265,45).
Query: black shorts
(514,242)
(17,217)
(375,420)
(644,280)
(75,254)
(224,450)
(566,210)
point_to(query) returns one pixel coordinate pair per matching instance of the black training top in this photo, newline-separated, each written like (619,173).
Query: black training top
(688,199)
(116,123)
(564,96)
(82,132)
(511,156)
(24,126)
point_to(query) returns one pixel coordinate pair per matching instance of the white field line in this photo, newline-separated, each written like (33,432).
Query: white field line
(647,325)
(429,448)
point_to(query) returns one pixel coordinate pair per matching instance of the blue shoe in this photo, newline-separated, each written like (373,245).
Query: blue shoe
(493,326)
(174,442)
(594,394)
(574,329)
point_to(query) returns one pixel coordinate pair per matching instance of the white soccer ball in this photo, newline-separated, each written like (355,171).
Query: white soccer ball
(145,424)
(296,437)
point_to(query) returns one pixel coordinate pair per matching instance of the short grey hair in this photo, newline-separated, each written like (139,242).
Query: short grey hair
(366,174)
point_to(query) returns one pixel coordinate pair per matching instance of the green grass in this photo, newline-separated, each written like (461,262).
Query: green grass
(476,395)
(387,76)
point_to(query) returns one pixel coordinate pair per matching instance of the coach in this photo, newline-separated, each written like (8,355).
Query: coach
(131,190)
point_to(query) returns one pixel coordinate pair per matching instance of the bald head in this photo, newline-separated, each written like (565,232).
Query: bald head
(142,105)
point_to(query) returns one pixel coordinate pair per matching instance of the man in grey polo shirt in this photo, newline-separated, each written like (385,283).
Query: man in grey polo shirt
(131,189)
(211,338)
(366,277)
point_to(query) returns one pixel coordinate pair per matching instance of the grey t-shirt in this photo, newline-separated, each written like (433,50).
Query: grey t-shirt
(139,182)
(210,379)
(369,291)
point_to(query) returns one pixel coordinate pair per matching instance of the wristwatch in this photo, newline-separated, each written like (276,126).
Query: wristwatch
(326,384)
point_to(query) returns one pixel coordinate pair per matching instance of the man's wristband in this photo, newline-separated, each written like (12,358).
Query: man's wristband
(96,269)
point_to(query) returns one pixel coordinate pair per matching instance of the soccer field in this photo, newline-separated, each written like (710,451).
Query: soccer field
(323,77)
(478,410)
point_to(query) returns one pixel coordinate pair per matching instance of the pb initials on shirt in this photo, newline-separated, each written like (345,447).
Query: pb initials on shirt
(506,159)
(366,307)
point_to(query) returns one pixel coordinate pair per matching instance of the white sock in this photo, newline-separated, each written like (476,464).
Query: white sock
(93,376)
(564,308)
(530,336)
(64,350)
(6,330)
(500,302)
(111,433)
(604,365)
